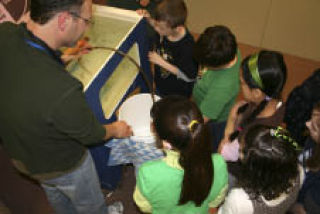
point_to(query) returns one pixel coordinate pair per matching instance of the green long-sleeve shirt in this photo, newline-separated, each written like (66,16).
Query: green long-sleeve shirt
(217,90)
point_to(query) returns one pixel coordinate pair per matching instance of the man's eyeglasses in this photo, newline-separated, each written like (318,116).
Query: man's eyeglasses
(87,21)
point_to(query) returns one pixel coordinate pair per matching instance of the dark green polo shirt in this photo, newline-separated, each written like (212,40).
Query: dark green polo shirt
(45,122)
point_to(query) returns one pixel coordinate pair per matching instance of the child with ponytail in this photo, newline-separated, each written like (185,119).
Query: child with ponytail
(190,179)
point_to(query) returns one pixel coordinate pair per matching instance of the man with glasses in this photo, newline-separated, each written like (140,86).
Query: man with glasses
(86,20)
(45,122)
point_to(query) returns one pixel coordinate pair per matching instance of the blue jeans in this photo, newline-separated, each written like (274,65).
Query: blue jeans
(77,191)
(217,133)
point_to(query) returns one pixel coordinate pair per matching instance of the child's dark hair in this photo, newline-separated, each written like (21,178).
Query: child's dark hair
(266,71)
(173,12)
(299,106)
(314,161)
(179,121)
(269,165)
(216,46)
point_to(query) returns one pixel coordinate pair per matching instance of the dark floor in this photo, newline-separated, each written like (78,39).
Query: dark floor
(124,192)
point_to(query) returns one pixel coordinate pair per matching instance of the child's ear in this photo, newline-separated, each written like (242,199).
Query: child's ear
(257,94)
(166,145)
(179,28)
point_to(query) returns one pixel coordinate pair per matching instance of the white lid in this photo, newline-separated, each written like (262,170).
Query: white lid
(135,111)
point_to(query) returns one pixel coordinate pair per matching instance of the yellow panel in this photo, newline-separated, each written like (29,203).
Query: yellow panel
(119,82)
(105,32)
(294,28)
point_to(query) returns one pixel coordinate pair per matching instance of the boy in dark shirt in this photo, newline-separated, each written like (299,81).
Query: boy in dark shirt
(175,69)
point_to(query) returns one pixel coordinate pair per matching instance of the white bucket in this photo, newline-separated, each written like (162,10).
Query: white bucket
(135,111)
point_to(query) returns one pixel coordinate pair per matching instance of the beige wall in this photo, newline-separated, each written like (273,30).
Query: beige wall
(289,26)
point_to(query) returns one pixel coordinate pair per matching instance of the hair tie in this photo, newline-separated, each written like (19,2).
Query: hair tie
(282,133)
(191,124)
(253,68)
(239,128)
(267,98)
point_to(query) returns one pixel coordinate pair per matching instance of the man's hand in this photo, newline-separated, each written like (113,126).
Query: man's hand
(82,47)
(118,129)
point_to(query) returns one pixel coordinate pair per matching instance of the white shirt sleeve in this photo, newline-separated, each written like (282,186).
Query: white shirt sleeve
(181,75)
(236,202)
(302,175)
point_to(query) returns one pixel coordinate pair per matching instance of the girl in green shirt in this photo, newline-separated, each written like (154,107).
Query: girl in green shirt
(190,179)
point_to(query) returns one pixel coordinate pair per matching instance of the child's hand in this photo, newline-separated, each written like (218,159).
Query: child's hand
(213,210)
(224,141)
(143,12)
(144,3)
(156,58)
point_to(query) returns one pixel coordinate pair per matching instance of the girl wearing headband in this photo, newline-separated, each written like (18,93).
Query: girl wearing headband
(190,178)
(262,80)
(269,178)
